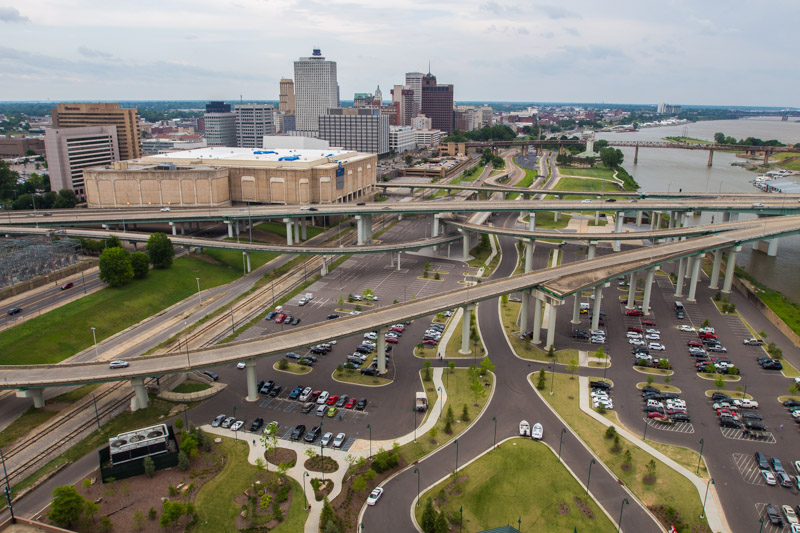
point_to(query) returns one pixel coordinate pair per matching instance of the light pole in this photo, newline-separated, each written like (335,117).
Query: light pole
(233,325)
(321,453)
(560,441)
(415,424)
(494,442)
(235,431)
(305,503)
(369,427)
(644,437)
(702,443)
(461,520)
(456,441)
(761,521)
(621,507)
(249,221)
(416,471)
(553,374)
(94,335)
(590,476)
(199,298)
(708,485)
(97,415)
(7,490)
(83,279)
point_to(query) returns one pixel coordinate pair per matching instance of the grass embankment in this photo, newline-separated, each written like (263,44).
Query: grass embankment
(214,502)
(280,229)
(663,387)
(688,140)
(65,331)
(454,344)
(189,386)
(786,309)
(787,160)
(526,182)
(469,175)
(523,347)
(491,491)
(669,488)
(459,393)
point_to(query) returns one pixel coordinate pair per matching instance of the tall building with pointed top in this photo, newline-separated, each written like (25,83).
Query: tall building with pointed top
(437,103)
(315,90)
(378,96)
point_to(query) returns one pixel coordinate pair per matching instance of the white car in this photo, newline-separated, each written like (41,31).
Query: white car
(768,477)
(374,496)
(684,327)
(636,342)
(657,332)
(323,397)
(305,395)
(355,312)
(371,336)
(598,340)
(117,364)
(326,439)
(633,335)
(165,208)
(271,428)
(305,208)
(241,366)
(656,346)
(608,404)
(653,337)
(338,442)
(586,201)
(237,425)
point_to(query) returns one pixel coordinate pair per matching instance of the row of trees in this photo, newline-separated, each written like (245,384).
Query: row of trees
(118,266)
(487,133)
(721,138)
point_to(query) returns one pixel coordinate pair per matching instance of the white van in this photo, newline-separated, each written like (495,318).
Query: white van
(585,306)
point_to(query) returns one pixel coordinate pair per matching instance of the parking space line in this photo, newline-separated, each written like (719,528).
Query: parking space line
(748,468)
(767,527)
(678,427)
(347,445)
(738,434)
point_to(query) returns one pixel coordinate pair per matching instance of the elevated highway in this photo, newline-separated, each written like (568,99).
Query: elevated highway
(552,284)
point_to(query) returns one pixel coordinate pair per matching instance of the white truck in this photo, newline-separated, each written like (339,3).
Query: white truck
(752,341)
(421,403)
(746,403)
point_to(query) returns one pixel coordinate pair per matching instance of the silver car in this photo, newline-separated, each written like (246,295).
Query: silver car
(326,439)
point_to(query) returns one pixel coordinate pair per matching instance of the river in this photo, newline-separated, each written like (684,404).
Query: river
(673,170)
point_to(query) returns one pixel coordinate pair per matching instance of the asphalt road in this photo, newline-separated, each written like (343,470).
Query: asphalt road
(34,304)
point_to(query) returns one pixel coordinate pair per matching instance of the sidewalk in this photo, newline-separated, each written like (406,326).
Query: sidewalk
(360,448)
(714,514)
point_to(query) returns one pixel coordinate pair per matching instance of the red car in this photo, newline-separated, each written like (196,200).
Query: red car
(392,340)
(635,329)
(655,414)
(67,286)
(704,335)
(314,396)
(430,342)
(333,399)
(280,318)
(351,403)
(396,329)
(695,343)
(634,312)
(648,322)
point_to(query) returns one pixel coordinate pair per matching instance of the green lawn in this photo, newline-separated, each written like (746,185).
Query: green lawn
(280,229)
(293,368)
(24,423)
(233,258)
(459,394)
(491,491)
(670,488)
(787,160)
(587,173)
(530,176)
(189,386)
(214,502)
(595,185)
(786,309)
(546,220)
(63,332)
(690,140)
(454,344)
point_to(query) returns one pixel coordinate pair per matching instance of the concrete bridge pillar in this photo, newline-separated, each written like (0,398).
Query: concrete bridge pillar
(135,246)
(230,229)
(592,249)
(464,245)
(360,229)
(597,218)
(247,260)
(537,320)
(34,394)
(636,155)
(631,291)
(655,219)
(382,349)
(726,217)
(714,283)
(398,261)
(296,224)
(368,228)
(576,309)
(289,231)
(555,213)
(598,299)
(648,287)
(435,225)
(140,399)
(670,224)
(551,327)
(183,228)
(465,329)
(523,313)
(303,229)
(638,218)
(734,217)
(772,248)
(532,221)
(324,270)
(529,255)
(698,260)
(681,275)
(252,380)
(710,157)
(174,228)
(618,229)
(727,283)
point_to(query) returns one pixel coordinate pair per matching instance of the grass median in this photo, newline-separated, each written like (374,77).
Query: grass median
(668,488)
(493,490)
(523,347)
(63,332)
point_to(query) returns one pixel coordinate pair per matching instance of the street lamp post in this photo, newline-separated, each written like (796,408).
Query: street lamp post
(235,431)
(494,442)
(83,279)
(305,502)
(249,221)
(590,476)
(456,441)
(621,507)
(702,443)
(415,424)
(199,298)
(761,521)
(553,375)
(94,335)
(644,437)
(416,471)
(369,427)
(561,441)
(461,520)
(233,325)
(708,485)
(7,489)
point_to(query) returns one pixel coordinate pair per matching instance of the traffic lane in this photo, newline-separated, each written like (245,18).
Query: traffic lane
(38,302)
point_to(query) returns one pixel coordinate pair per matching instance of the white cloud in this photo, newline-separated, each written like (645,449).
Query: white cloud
(12,14)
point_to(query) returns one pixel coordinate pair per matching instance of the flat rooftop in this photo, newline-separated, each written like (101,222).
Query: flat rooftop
(230,156)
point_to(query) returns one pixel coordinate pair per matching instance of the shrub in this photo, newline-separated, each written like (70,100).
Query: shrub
(183,461)
(283,364)
(152,513)
(149,467)
(540,384)
(385,460)
(611,432)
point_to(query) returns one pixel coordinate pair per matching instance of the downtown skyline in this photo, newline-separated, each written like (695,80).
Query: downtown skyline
(489,50)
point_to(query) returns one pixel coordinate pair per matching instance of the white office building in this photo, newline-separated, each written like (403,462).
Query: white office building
(253,122)
(315,90)
(70,150)
(402,139)
(428,138)
(414,82)
(220,129)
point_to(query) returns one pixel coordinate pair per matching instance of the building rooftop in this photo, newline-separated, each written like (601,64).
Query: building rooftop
(230,156)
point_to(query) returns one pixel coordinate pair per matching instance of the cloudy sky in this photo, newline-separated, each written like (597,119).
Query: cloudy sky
(683,52)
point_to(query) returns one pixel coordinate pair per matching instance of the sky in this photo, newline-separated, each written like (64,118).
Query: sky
(681,52)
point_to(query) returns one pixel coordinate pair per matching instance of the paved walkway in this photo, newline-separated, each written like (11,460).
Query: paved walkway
(360,448)
(714,513)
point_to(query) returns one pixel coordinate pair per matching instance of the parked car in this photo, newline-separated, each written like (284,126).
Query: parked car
(228,422)
(218,421)
(362,403)
(276,390)
(308,407)
(773,515)
(326,439)
(339,441)
(374,496)
(256,424)
(634,312)
(313,434)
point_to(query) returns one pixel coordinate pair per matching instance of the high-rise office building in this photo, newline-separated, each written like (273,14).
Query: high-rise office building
(403,98)
(362,129)
(220,124)
(414,82)
(316,90)
(70,150)
(286,97)
(126,121)
(253,121)
(437,103)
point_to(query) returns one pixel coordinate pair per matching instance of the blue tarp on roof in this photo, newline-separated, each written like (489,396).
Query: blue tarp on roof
(264,152)
(289,158)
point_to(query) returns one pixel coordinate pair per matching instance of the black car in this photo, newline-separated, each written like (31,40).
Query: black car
(729,422)
(791,403)
(654,409)
(648,388)
(305,362)
(317,350)
(275,391)
(364,348)
(266,387)
(313,434)
(751,415)
(298,432)
(362,403)
(295,321)
(763,462)
(719,396)
(669,395)
(773,515)
(332,315)
(212,375)
(772,365)
(680,417)
(256,425)
(14,311)
(369,371)
(600,385)
(270,315)
(580,335)
(651,396)
(611,200)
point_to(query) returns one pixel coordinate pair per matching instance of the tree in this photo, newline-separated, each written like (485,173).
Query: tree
(340,302)
(428,520)
(706,323)
(426,374)
(441,523)
(327,516)
(475,382)
(138,521)
(172,513)
(161,251)
(719,138)
(66,199)
(283,364)
(106,524)
(140,264)
(650,380)
(719,383)
(611,157)
(540,383)
(651,468)
(115,267)
(183,461)
(450,416)
(408,159)
(149,467)
(113,242)
(67,506)
(465,413)
(178,423)
(189,445)
(486,366)
(572,366)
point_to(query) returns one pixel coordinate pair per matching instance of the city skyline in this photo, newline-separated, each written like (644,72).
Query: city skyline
(489,50)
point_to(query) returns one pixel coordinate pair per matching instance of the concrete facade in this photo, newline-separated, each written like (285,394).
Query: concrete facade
(71,150)
(17,146)
(402,139)
(124,120)
(253,122)
(315,91)
(359,129)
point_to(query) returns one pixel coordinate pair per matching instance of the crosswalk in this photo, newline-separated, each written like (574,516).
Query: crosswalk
(748,468)
(739,434)
(678,427)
